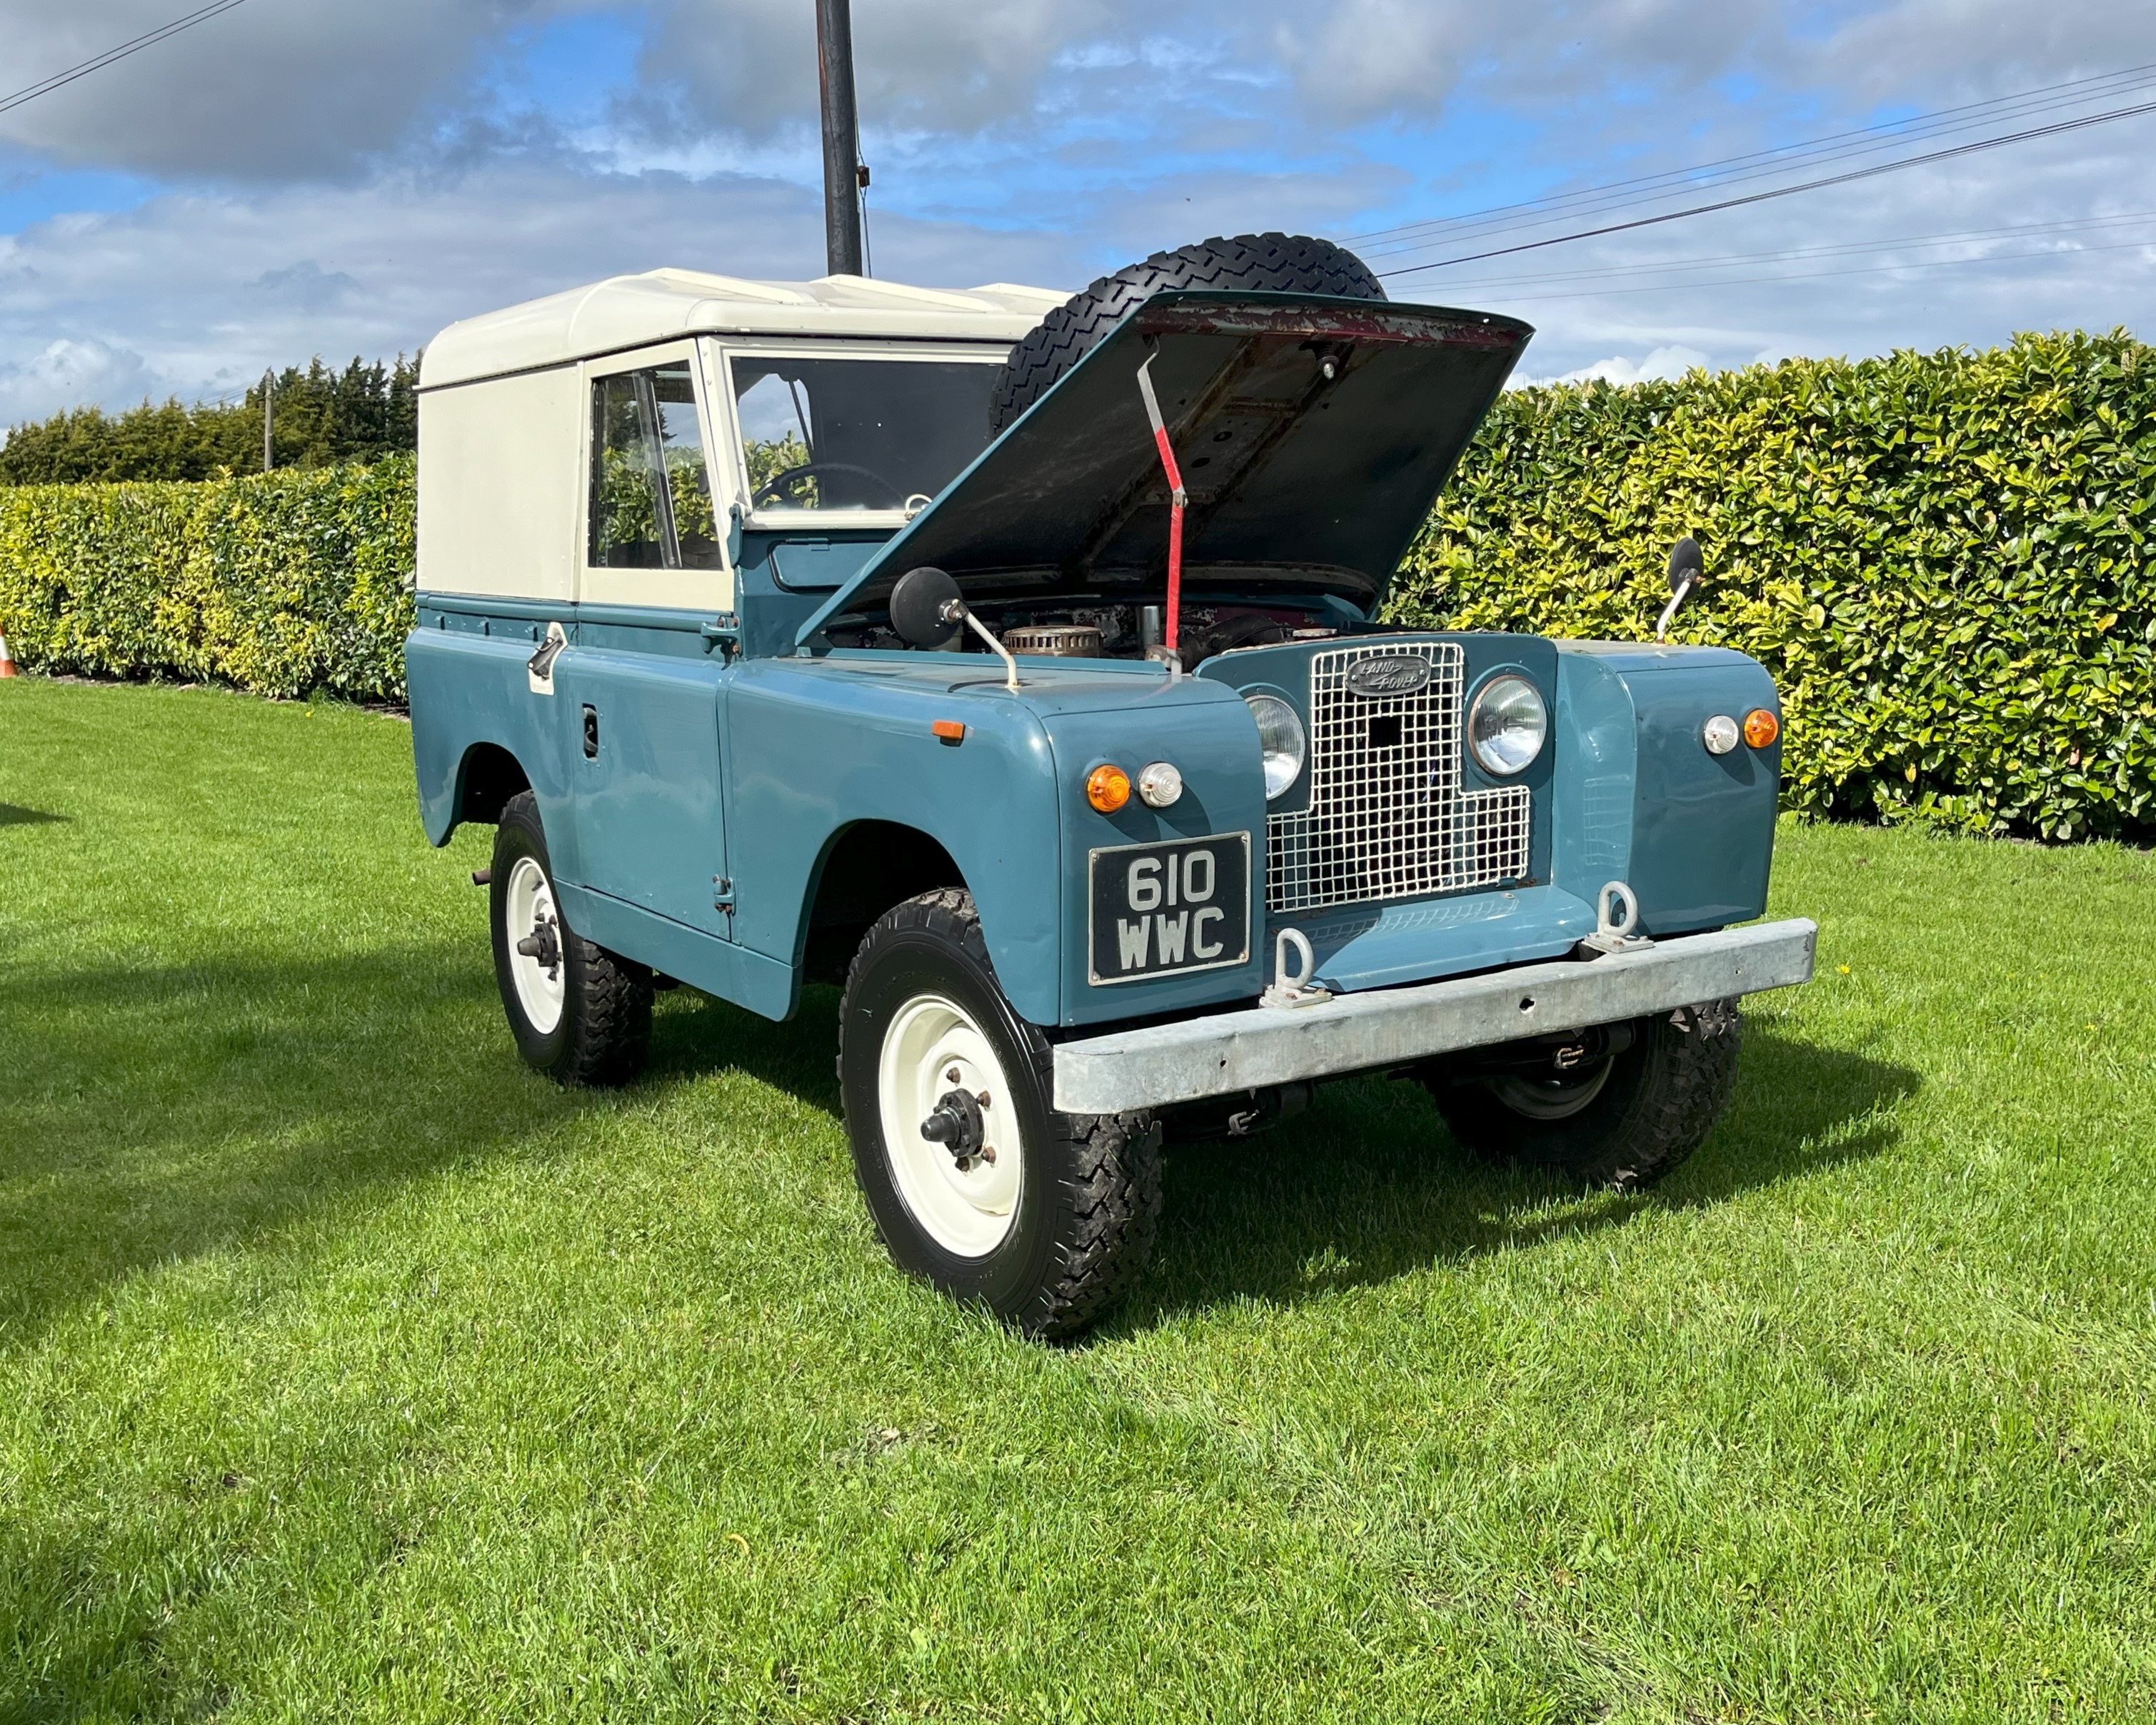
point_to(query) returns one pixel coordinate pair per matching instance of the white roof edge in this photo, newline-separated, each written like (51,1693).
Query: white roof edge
(626,311)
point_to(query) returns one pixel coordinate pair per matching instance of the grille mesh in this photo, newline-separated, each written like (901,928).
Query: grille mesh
(1387,818)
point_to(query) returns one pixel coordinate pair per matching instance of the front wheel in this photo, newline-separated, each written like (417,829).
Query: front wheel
(1622,1122)
(977,1184)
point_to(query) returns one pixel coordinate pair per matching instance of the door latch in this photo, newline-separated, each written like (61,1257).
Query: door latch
(591,733)
(722,894)
(539,668)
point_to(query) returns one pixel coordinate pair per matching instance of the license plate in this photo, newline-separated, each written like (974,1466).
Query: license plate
(1160,909)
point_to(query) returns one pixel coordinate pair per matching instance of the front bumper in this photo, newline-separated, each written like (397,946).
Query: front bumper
(1230,1052)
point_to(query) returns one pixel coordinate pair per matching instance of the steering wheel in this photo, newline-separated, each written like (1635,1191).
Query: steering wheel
(777,489)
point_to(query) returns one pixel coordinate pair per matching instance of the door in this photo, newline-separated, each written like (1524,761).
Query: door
(642,688)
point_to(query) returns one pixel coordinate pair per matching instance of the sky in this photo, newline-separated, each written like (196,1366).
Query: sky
(294,177)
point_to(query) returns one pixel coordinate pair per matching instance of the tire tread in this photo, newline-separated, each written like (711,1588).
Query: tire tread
(1691,1060)
(606,1011)
(1275,263)
(1110,1188)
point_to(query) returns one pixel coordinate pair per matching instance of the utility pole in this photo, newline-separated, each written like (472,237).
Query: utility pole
(269,411)
(843,176)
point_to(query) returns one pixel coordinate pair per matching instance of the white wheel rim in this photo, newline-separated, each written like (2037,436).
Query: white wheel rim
(528,907)
(968,1211)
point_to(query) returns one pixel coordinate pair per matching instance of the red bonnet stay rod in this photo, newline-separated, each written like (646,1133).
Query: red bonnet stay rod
(1177,499)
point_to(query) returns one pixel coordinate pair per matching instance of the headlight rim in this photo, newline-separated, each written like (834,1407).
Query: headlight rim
(1300,732)
(1496,680)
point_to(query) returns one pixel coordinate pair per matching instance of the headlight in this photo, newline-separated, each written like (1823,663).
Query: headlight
(1280,740)
(1507,725)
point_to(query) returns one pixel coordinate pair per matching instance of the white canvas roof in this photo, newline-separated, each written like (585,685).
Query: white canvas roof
(630,310)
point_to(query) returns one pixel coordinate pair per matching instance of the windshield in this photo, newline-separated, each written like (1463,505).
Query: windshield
(859,433)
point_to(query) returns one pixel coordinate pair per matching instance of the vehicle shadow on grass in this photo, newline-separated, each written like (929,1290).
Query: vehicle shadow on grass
(1368,1186)
(693,1035)
(157,1114)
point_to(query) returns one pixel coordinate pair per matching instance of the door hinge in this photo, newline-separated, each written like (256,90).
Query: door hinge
(723,630)
(722,894)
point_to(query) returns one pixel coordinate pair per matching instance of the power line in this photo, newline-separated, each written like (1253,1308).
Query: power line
(2132,245)
(1601,203)
(1849,248)
(2057,128)
(33,91)
(1778,158)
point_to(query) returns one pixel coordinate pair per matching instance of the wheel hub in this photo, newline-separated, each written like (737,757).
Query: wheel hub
(956,1124)
(543,944)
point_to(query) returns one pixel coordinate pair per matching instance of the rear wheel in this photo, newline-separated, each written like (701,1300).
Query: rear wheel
(579,1014)
(1622,1122)
(977,1182)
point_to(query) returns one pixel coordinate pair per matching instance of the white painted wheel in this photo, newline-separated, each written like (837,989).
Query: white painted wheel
(530,916)
(967,1205)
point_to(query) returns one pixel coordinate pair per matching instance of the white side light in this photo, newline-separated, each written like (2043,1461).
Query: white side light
(1720,734)
(1280,742)
(1160,785)
(1507,726)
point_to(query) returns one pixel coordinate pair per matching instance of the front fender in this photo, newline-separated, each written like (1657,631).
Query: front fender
(818,745)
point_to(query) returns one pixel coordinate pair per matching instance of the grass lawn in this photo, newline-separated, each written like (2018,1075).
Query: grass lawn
(348,1370)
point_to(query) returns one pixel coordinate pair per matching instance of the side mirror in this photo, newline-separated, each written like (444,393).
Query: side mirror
(925,610)
(1688,569)
(1686,565)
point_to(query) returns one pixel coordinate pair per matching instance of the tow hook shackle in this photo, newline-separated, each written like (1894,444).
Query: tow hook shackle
(1615,932)
(1293,987)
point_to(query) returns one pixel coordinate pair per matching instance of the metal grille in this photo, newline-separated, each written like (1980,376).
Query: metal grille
(1387,818)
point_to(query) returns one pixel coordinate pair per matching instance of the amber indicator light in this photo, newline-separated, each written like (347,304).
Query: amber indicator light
(950,730)
(1108,788)
(1761,727)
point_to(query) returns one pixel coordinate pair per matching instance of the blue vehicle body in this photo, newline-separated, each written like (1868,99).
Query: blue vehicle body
(753,773)
(730,798)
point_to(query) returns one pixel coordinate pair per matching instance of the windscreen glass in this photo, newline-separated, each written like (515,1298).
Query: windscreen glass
(859,433)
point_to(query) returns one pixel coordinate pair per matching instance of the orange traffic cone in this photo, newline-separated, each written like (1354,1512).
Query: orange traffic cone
(7,664)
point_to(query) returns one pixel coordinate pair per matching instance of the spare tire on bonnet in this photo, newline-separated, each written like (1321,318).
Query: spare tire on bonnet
(1271,263)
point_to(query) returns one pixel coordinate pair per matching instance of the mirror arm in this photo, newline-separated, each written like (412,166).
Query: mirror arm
(1669,610)
(957,610)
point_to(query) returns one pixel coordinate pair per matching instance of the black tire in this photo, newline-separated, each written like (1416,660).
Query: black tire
(604,1028)
(1271,263)
(1654,1104)
(1087,1201)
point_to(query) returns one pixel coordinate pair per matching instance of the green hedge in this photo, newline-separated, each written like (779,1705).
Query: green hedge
(1943,559)
(284,583)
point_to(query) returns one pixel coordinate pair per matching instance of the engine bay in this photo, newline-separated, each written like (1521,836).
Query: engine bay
(1124,630)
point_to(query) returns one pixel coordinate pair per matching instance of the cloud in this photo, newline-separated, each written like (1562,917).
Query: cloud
(70,373)
(342,179)
(198,293)
(921,65)
(297,89)
(304,287)
(1664,362)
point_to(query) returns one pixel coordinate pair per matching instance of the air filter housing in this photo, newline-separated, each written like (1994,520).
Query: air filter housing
(1056,640)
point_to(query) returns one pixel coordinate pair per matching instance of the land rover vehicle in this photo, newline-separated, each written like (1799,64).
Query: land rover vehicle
(1014,662)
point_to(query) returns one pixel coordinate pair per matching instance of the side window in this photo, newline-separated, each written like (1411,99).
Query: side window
(651,485)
